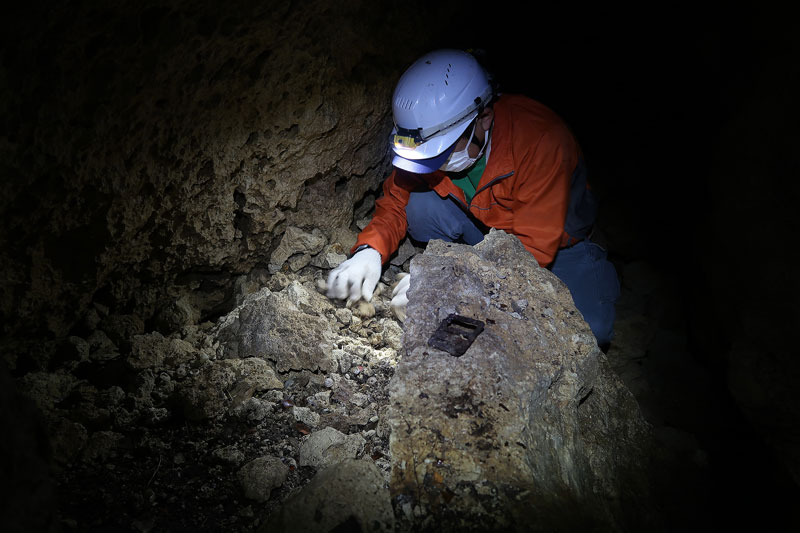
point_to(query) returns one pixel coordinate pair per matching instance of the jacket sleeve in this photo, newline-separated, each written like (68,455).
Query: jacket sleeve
(388,225)
(541,194)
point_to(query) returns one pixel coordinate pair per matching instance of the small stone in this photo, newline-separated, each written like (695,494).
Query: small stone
(359,399)
(405,251)
(260,476)
(363,222)
(330,446)
(330,257)
(296,241)
(349,496)
(306,416)
(296,262)
(344,315)
(100,445)
(519,305)
(256,409)
(229,454)
(364,309)
(120,328)
(323,398)
(101,347)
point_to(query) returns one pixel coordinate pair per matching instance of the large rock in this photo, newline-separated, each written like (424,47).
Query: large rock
(328,447)
(296,242)
(270,325)
(153,350)
(350,496)
(529,429)
(260,476)
(224,385)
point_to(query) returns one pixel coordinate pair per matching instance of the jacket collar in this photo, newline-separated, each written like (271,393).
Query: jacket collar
(501,159)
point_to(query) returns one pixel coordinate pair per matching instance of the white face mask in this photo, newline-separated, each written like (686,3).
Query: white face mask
(460,161)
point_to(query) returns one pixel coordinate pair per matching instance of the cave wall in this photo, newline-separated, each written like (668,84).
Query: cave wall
(745,301)
(153,148)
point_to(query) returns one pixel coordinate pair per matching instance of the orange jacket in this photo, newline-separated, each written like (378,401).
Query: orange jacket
(524,190)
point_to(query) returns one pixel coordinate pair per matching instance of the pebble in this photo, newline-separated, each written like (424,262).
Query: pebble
(306,416)
(364,309)
(344,315)
(360,399)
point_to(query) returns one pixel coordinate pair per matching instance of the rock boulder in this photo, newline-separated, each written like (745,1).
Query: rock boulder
(529,429)
(270,325)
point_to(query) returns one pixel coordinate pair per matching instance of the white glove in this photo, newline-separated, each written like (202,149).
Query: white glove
(356,277)
(399,297)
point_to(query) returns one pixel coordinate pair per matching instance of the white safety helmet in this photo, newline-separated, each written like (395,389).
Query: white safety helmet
(434,102)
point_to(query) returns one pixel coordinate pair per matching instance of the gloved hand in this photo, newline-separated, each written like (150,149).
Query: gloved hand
(399,297)
(357,277)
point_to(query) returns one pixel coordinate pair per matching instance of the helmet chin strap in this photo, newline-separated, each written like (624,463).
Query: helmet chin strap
(486,134)
(482,145)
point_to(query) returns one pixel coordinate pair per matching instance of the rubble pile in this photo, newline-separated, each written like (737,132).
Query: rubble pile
(215,424)
(292,410)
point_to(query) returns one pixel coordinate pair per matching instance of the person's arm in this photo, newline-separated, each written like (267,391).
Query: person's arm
(388,225)
(357,277)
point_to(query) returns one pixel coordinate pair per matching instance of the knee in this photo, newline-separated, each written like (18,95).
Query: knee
(429,218)
(420,209)
(594,285)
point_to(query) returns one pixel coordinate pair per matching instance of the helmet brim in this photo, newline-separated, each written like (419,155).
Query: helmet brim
(422,166)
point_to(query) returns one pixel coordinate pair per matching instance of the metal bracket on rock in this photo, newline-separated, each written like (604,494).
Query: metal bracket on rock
(455,334)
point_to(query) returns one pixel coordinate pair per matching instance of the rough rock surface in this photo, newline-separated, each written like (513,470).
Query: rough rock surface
(153,151)
(329,446)
(529,429)
(169,434)
(349,496)
(272,326)
(259,476)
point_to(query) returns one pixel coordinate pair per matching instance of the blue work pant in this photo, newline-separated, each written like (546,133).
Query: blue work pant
(584,268)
